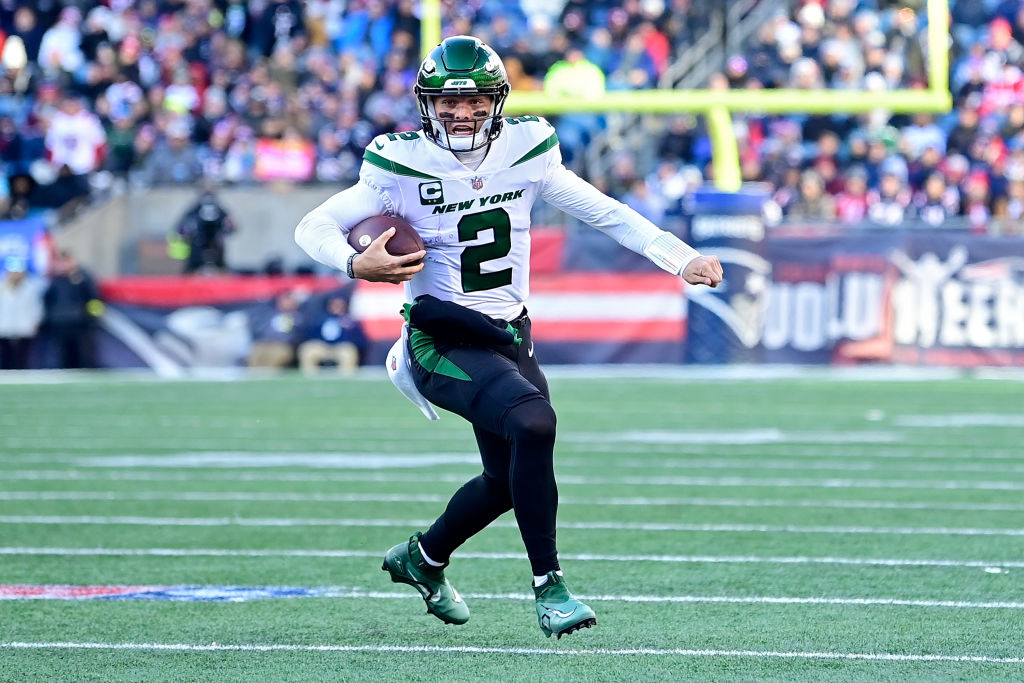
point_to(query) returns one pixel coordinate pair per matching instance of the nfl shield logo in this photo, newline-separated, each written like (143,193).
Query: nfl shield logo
(394,363)
(478,183)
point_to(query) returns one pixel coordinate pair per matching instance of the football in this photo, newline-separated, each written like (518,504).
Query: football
(405,240)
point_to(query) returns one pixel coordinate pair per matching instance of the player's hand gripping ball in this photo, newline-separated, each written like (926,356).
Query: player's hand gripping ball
(405,240)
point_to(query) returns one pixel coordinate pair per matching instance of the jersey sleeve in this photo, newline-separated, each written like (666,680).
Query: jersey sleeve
(565,190)
(323,232)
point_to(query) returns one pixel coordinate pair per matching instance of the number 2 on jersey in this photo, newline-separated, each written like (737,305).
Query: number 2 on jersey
(473,280)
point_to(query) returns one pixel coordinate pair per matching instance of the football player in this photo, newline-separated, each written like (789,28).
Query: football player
(467,182)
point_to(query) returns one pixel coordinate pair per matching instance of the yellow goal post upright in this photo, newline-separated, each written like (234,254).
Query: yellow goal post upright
(717,105)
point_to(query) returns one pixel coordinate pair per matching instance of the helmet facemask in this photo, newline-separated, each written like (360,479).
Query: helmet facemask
(483,126)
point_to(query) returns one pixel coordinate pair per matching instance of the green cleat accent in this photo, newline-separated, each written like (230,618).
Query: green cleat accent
(558,611)
(406,564)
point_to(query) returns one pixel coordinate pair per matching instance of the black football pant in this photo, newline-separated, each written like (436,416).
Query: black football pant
(506,399)
(14,352)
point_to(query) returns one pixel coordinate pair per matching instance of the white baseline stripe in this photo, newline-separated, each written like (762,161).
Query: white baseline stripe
(853,452)
(364,594)
(296,455)
(779,464)
(84,446)
(567,480)
(583,557)
(959,420)
(732,437)
(246,459)
(228,496)
(264,497)
(588,526)
(470,649)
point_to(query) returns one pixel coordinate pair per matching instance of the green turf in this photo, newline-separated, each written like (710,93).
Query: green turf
(715,489)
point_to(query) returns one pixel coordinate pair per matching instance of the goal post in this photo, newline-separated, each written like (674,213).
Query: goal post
(718,105)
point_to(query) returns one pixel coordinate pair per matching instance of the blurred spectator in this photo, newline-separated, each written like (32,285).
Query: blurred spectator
(186,89)
(923,166)
(889,204)
(75,141)
(27,27)
(648,204)
(173,159)
(977,201)
(812,204)
(852,202)
(59,48)
(72,305)
(335,337)
(199,236)
(677,141)
(922,133)
(1010,207)
(21,312)
(575,78)
(936,202)
(969,21)
(787,188)
(276,331)
(276,23)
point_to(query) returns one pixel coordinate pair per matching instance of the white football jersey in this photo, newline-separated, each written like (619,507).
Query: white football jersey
(475,224)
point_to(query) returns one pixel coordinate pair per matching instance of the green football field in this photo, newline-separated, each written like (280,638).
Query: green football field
(810,526)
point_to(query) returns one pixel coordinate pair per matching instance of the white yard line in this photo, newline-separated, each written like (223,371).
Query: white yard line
(761,463)
(130,520)
(227,496)
(566,480)
(731,437)
(637,501)
(584,557)
(349,592)
(470,649)
(944,450)
(654,456)
(852,452)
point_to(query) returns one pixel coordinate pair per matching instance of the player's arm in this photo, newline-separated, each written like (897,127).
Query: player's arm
(323,234)
(570,193)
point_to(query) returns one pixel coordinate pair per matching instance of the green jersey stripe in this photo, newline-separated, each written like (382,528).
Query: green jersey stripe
(394,167)
(538,150)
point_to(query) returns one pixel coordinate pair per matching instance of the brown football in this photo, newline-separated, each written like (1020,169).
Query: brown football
(405,240)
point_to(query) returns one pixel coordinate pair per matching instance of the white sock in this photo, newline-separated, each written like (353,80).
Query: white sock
(539,581)
(426,558)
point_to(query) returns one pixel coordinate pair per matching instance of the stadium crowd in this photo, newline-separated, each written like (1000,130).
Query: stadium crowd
(171,91)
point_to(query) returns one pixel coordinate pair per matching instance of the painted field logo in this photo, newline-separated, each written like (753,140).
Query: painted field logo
(431,193)
(172,593)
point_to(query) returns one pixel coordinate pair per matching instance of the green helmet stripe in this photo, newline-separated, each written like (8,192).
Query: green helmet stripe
(461,55)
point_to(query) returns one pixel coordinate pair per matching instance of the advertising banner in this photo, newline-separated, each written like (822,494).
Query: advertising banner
(284,160)
(27,241)
(909,297)
(175,323)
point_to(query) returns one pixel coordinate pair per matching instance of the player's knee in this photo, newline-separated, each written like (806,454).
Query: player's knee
(534,420)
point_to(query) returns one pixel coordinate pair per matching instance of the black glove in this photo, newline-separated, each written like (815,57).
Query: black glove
(455,324)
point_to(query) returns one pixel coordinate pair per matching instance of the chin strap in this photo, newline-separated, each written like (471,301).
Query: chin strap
(670,253)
